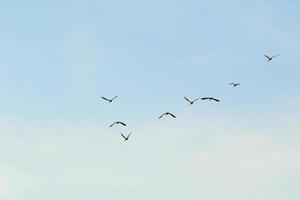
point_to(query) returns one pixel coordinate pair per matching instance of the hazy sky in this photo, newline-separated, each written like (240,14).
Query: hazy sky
(57,58)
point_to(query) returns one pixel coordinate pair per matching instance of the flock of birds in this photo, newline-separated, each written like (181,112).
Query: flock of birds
(190,102)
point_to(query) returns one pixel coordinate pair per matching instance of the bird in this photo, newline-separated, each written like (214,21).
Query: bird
(234,84)
(118,122)
(269,58)
(109,100)
(210,98)
(126,137)
(167,113)
(189,101)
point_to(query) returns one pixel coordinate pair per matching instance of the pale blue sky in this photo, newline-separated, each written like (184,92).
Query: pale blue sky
(58,57)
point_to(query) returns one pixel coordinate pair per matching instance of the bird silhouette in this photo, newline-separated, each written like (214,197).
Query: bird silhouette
(126,137)
(118,122)
(109,100)
(269,58)
(167,113)
(234,84)
(190,102)
(210,98)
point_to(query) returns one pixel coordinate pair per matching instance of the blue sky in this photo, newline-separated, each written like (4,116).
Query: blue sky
(57,58)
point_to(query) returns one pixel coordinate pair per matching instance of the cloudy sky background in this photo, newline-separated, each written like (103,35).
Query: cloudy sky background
(58,57)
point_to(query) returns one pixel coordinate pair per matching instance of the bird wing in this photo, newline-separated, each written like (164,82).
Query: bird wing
(275,56)
(172,115)
(129,135)
(267,57)
(196,99)
(187,99)
(123,136)
(113,124)
(216,99)
(122,123)
(204,98)
(105,98)
(115,97)
(161,116)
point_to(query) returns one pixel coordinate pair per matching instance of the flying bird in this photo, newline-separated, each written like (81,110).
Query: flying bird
(210,98)
(189,101)
(234,84)
(109,100)
(118,122)
(167,113)
(126,137)
(269,58)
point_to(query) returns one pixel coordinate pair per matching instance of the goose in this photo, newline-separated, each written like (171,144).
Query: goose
(234,84)
(109,100)
(126,137)
(269,58)
(118,122)
(190,102)
(210,98)
(167,113)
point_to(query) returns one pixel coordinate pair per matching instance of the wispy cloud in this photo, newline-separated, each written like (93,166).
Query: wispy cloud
(216,160)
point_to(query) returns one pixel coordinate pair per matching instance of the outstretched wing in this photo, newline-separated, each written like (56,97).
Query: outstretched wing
(129,135)
(196,99)
(172,115)
(105,98)
(115,97)
(161,115)
(187,99)
(216,99)
(122,123)
(124,136)
(275,56)
(268,57)
(205,98)
(113,124)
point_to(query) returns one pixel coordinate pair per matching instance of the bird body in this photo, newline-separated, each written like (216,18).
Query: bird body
(118,122)
(269,58)
(210,98)
(190,102)
(109,100)
(167,113)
